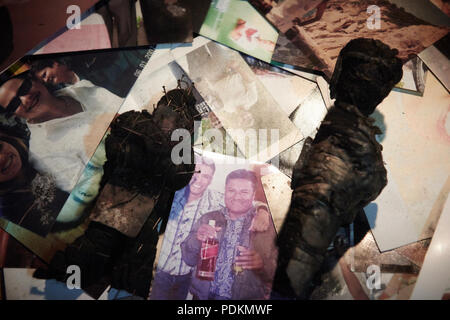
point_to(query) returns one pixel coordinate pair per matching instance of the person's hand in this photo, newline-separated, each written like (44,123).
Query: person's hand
(260,221)
(248,259)
(206,231)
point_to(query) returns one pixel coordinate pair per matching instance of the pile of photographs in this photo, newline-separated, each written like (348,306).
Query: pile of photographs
(258,72)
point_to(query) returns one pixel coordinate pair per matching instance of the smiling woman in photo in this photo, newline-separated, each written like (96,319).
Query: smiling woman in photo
(27,198)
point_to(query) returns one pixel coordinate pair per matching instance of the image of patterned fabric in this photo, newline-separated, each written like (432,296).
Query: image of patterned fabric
(224,277)
(248,284)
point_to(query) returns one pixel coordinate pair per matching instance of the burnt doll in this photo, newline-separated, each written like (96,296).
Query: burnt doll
(137,189)
(341,170)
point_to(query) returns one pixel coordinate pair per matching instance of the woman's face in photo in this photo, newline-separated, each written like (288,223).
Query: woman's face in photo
(56,74)
(35,104)
(10,162)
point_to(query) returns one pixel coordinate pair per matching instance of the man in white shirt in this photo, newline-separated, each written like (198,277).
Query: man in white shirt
(65,126)
(63,146)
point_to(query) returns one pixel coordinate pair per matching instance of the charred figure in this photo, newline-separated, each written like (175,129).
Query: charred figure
(137,188)
(341,170)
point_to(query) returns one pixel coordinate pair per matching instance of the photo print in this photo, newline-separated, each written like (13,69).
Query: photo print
(219,242)
(307,25)
(54,112)
(240,101)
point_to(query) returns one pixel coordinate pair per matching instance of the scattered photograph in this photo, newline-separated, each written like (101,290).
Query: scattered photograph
(149,89)
(219,242)
(240,101)
(54,112)
(277,188)
(72,219)
(246,30)
(238,25)
(286,52)
(414,77)
(402,213)
(366,253)
(437,59)
(101,24)
(301,101)
(321,28)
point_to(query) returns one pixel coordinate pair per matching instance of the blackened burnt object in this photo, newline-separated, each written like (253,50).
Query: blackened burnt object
(136,193)
(341,170)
